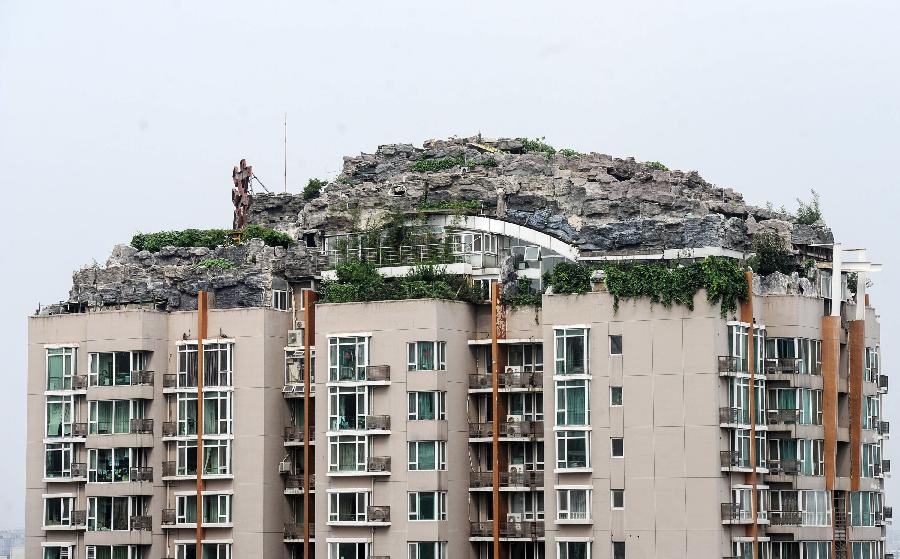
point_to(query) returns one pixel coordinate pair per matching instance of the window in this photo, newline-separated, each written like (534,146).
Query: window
(347,453)
(871,365)
(741,446)
(530,357)
(428,505)
(426,356)
(812,457)
(107,417)
(113,552)
(114,368)
(217,410)
(618,447)
(61,367)
(815,508)
(866,550)
(573,504)
(871,460)
(615,345)
(618,498)
(618,550)
(810,406)
(527,405)
(427,455)
(573,550)
(427,406)
(216,509)
(281,300)
(347,358)
(107,465)
(347,506)
(56,551)
(427,550)
(217,364)
(527,505)
(527,454)
(572,449)
(865,508)
(347,407)
(348,550)
(572,402)
(216,457)
(60,416)
(108,513)
(571,351)
(210,551)
(871,412)
(58,460)
(58,511)
(615,396)
(295,367)
(739,401)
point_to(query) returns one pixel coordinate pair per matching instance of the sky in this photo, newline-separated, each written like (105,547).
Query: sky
(119,117)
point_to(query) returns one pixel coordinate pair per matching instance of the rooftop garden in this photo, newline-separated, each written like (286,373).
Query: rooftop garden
(359,281)
(209,238)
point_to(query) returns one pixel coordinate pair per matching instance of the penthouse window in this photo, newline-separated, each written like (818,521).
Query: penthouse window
(426,356)
(217,364)
(347,358)
(61,367)
(114,368)
(571,351)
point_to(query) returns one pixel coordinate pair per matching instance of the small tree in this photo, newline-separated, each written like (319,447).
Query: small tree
(313,189)
(809,212)
(772,254)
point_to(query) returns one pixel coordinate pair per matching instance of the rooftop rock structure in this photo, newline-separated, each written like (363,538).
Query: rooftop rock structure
(598,204)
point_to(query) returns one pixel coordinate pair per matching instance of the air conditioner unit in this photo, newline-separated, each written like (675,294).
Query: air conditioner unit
(514,517)
(514,418)
(295,337)
(379,515)
(513,369)
(517,468)
(284,467)
(299,325)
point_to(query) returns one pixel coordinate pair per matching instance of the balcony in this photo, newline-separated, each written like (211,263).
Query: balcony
(144,522)
(142,378)
(485,479)
(141,426)
(141,473)
(783,417)
(508,429)
(378,514)
(295,435)
(785,518)
(785,366)
(733,416)
(378,464)
(516,530)
(79,518)
(732,459)
(169,429)
(733,513)
(294,531)
(169,469)
(168,517)
(730,365)
(784,467)
(294,483)
(508,381)
(378,423)
(883,383)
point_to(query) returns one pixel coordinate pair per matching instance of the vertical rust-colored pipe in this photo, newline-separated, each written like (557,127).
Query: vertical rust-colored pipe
(202,326)
(747,316)
(309,342)
(831,348)
(857,350)
(495,399)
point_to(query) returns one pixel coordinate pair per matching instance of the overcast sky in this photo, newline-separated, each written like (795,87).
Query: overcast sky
(117,117)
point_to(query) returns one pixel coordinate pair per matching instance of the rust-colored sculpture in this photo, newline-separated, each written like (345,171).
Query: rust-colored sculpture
(241,194)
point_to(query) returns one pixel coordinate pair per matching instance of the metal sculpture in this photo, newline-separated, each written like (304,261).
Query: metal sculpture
(241,193)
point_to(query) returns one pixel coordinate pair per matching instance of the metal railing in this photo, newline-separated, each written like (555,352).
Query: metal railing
(378,372)
(169,468)
(783,417)
(142,522)
(169,429)
(403,255)
(785,466)
(79,518)
(730,364)
(524,529)
(295,481)
(733,512)
(732,416)
(888,513)
(378,513)
(294,434)
(142,378)
(527,478)
(79,469)
(378,422)
(533,381)
(168,517)
(783,366)
(884,427)
(141,426)
(141,473)
(79,382)
(294,530)
(79,429)
(883,383)
(886,466)
(507,429)
(788,517)
(170,380)
(378,464)
(732,459)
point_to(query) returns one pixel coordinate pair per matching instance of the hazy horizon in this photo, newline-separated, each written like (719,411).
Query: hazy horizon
(122,117)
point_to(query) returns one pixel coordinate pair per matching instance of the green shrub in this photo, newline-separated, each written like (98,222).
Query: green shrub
(809,213)
(771,255)
(525,295)
(269,236)
(568,152)
(313,188)
(208,238)
(569,277)
(538,145)
(360,281)
(215,263)
(656,166)
(440,164)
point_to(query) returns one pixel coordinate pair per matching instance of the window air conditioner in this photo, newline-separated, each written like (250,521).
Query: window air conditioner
(514,517)
(295,337)
(517,468)
(300,325)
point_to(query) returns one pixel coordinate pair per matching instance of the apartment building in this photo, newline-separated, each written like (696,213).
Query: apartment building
(583,427)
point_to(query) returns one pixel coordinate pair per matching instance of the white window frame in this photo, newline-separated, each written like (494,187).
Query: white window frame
(361,443)
(562,547)
(621,344)
(560,335)
(529,504)
(438,349)
(67,454)
(531,404)
(415,506)
(440,455)
(612,404)
(359,497)
(440,549)
(281,299)
(92,519)
(68,415)
(135,411)
(334,548)
(90,551)
(360,394)
(69,356)
(564,500)
(562,447)
(222,550)
(360,344)
(561,392)
(67,507)
(612,447)
(440,405)
(612,499)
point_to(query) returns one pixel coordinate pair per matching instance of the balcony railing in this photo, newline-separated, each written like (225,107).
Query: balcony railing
(143,522)
(141,473)
(295,434)
(141,426)
(733,512)
(785,466)
(785,517)
(378,513)
(142,378)
(378,464)
(526,478)
(732,459)
(168,517)
(295,481)
(79,469)
(378,372)
(876,470)
(783,366)
(733,416)
(533,381)
(169,468)
(169,429)
(378,422)
(507,429)
(294,530)
(79,518)
(170,380)
(730,364)
(525,529)
(783,417)
(79,429)
(883,383)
